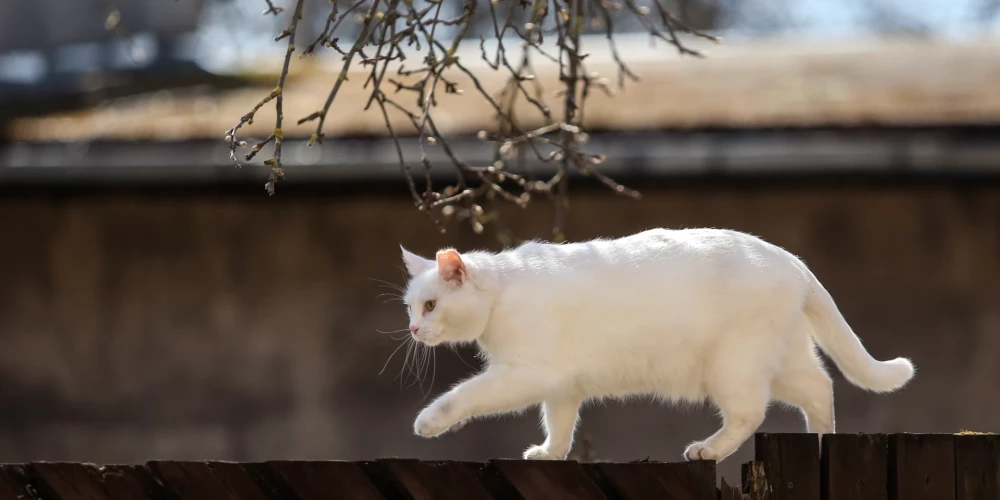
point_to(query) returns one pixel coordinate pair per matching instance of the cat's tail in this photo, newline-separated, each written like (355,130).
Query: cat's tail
(832,333)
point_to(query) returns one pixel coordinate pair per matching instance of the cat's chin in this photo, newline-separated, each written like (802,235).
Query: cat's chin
(431,342)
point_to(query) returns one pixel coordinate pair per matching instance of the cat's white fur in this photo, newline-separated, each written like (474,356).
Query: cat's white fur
(686,315)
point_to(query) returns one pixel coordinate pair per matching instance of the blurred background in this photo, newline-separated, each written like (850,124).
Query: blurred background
(155,303)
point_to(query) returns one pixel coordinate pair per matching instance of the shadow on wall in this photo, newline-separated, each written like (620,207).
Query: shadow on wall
(199,327)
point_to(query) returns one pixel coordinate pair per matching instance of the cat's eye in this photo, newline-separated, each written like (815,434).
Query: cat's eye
(429,306)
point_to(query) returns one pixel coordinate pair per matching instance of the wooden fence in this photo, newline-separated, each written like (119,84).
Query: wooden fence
(786,467)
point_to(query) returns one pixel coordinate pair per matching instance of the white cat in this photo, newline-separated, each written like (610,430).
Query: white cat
(684,315)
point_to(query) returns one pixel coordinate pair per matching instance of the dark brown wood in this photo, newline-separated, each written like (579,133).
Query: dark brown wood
(656,480)
(791,465)
(727,492)
(236,480)
(326,480)
(191,480)
(753,480)
(70,481)
(921,467)
(854,467)
(437,480)
(271,484)
(977,467)
(788,466)
(494,482)
(133,482)
(15,484)
(549,480)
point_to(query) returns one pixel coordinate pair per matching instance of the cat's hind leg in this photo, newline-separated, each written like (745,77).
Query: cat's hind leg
(559,416)
(737,378)
(803,383)
(743,404)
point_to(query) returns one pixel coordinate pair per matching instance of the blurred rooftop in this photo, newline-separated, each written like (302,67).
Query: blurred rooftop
(823,96)
(753,84)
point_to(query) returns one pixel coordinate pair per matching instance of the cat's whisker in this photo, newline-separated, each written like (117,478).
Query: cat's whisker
(412,366)
(406,362)
(426,366)
(421,366)
(400,346)
(386,284)
(454,348)
(430,387)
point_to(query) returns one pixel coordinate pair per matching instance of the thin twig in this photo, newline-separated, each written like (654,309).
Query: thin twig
(397,33)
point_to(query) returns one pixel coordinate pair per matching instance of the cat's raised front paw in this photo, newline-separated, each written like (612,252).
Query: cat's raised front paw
(459,426)
(700,451)
(541,452)
(431,422)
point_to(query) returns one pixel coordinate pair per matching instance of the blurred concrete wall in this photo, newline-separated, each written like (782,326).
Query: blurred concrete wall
(184,326)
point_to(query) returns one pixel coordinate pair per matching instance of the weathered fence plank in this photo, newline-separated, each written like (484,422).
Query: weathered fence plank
(753,480)
(70,481)
(15,483)
(191,480)
(325,480)
(854,467)
(133,482)
(921,467)
(549,480)
(977,467)
(494,482)
(235,479)
(727,492)
(657,480)
(436,480)
(791,465)
(787,467)
(271,484)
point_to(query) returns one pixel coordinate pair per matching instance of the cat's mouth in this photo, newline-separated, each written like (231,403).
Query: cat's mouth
(430,338)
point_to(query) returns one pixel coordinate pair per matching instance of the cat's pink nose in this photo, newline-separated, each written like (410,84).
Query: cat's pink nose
(414,329)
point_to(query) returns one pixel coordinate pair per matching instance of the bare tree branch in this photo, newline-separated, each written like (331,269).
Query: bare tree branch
(405,52)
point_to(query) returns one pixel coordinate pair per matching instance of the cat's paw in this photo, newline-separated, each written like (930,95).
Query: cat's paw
(432,422)
(459,426)
(700,451)
(541,452)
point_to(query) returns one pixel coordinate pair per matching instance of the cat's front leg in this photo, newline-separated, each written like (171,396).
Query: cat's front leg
(560,417)
(499,389)
(436,419)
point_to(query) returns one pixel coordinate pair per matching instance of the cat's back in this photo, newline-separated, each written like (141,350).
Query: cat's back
(686,248)
(688,280)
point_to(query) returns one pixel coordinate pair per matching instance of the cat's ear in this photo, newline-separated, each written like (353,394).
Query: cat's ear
(450,266)
(415,264)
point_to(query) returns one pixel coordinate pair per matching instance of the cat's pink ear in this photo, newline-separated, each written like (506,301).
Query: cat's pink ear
(450,266)
(415,264)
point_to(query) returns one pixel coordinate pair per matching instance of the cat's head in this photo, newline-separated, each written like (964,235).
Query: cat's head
(445,298)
